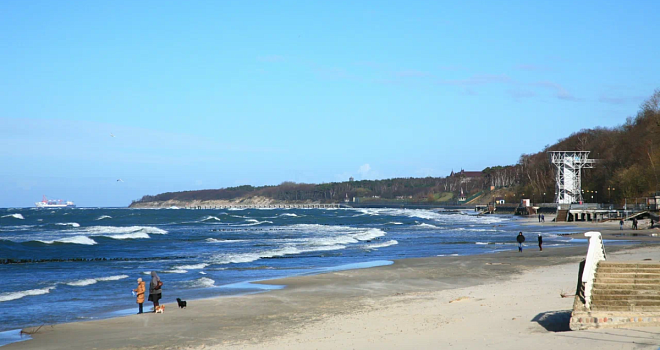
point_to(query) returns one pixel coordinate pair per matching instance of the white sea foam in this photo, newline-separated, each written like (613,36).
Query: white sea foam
(202,272)
(203,282)
(427,225)
(105,230)
(214,218)
(381,245)
(253,222)
(135,235)
(369,234)
(24,293)
(15,216)
(190,267)
(102,217)
(214,240)
(82,283)
(395,223)
(175,271)
(289,214)
(75,240)
(72,224)
(289,250)
(88,281)
(112,278)
(481,243)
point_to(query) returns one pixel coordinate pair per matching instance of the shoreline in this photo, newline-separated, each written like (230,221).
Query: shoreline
(307,299)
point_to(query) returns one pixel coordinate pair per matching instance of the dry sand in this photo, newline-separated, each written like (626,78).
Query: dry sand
(497,301)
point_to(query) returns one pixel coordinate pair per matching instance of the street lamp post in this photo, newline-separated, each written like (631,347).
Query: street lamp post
(596,196)
(543,197)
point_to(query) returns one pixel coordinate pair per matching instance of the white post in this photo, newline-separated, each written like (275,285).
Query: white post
(595,254)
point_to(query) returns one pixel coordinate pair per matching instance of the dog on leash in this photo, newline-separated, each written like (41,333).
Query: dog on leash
(160,309)
(182,303)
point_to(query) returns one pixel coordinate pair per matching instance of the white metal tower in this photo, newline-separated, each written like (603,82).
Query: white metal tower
(568,188)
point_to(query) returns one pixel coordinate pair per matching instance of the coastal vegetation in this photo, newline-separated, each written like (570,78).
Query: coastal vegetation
(628,163)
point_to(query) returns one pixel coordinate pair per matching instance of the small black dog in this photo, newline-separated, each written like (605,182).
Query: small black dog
(182,303)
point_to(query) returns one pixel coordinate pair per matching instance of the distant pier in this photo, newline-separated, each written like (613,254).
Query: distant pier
(268,206)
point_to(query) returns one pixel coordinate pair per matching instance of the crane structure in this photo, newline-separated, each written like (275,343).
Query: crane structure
(568,187)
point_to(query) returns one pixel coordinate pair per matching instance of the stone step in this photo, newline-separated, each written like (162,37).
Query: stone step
(633,297)
(610,308)
(642,274)
(627,270)
(627,280)
(626,292)
(629,264)
(640,303)
(625,286)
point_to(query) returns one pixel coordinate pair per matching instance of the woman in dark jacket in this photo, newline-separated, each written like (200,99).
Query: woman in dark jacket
(155,291)
(520,240)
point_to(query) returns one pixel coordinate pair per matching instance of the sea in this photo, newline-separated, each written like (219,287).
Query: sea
(77,264)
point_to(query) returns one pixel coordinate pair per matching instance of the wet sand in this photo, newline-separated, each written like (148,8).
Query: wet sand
(507,300)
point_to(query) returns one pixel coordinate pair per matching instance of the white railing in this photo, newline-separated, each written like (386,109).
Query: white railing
(595,254)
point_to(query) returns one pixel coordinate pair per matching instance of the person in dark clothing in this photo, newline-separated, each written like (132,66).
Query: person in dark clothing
(621,224)
(540,242)
(155,290)
(539,217)
(542,218)
(520,240)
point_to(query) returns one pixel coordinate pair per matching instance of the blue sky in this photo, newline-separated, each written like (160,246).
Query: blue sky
(210,94)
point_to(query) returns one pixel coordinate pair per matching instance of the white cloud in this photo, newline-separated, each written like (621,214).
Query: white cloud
(364,169)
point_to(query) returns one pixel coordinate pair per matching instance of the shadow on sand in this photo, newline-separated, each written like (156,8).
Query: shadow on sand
(554,321)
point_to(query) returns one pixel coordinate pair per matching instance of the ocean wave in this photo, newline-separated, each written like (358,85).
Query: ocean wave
(74,240)
(190,267)
(72,224)
(395,223)
(24,293)
(88,281)
(214,240)
(427,225)
(289,250)
(105,230)
(15,216)
(102,217)
(369,234)
(135,235)
(289,214)
(175,271)
(381,245)
(202,282)
(253,222)
(214,218)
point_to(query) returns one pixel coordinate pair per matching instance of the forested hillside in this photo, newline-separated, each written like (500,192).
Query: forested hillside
(628,160)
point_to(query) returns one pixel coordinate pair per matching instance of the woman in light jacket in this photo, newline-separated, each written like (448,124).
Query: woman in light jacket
(140,294)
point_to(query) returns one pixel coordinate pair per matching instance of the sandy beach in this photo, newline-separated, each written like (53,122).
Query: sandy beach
(508,300)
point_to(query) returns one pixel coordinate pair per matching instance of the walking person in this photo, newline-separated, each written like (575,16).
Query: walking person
(155,291)
(540,242)
(621,225)
(520,240)
(542,218)
(140,294)
(539,217)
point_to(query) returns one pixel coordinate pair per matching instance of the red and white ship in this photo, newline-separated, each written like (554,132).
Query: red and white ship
(54,203)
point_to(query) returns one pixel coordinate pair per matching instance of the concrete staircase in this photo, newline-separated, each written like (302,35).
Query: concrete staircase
(623,294)
(562,214)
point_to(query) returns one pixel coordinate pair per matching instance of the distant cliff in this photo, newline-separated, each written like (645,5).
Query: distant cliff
(429,189)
